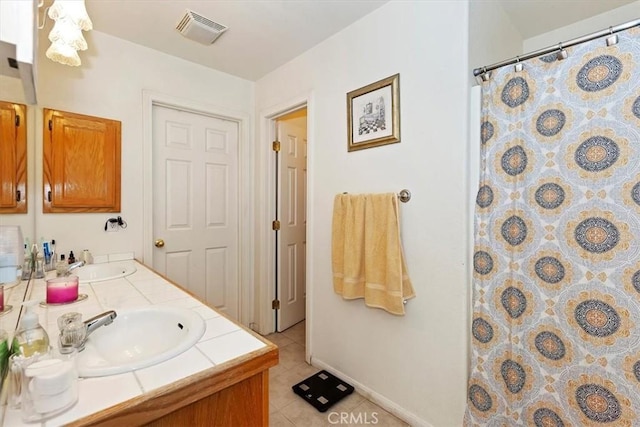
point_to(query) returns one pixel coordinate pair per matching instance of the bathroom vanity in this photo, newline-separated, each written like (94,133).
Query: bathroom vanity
(222,380)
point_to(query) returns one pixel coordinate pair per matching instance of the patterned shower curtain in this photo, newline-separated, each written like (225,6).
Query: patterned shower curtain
(556,288)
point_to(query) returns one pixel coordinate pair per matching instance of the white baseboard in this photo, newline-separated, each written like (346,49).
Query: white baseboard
(386,404)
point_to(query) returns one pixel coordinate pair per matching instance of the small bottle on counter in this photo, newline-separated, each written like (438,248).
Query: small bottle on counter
(72,258)
(26,267)
(40,266)
(61,266)
(4,352)
(54,255)
(86,257)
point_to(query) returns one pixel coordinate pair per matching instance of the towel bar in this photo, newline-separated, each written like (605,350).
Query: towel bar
(404,195)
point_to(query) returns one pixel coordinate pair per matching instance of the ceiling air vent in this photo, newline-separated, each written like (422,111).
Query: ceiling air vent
(198,28)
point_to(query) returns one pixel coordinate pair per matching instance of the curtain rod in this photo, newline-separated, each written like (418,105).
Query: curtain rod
(558,47)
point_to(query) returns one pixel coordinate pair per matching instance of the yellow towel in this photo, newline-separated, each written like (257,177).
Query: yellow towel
(367,258)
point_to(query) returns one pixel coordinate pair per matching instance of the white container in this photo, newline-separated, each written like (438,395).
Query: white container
(11,253)
(49,386)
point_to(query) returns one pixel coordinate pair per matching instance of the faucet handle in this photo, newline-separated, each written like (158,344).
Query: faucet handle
(73,334)
(67,318)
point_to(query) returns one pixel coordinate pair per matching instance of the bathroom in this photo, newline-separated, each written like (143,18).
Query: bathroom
(415,365)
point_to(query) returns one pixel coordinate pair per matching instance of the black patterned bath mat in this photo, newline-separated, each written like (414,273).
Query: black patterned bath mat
(322,390)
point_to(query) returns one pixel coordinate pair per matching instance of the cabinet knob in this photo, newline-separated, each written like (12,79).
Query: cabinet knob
(159,243)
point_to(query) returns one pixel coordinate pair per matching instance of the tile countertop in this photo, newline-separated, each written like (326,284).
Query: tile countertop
(222,341)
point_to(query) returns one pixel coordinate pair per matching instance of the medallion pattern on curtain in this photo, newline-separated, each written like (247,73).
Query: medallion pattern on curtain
(556,288)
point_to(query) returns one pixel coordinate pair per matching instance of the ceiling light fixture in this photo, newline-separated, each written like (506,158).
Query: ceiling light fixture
(66,37)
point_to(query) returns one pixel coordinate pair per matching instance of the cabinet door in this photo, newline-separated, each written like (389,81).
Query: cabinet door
(13,158)
(81,163)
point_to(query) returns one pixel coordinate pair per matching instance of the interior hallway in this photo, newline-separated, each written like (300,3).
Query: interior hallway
(286,409)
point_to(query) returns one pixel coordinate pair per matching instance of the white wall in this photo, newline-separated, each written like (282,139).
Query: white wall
(109,84)
(416,362)
(492,36)
(11,91)
(613,17)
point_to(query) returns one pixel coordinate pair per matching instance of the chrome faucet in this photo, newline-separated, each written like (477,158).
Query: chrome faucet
(76,336)
(73,267)
(95,322)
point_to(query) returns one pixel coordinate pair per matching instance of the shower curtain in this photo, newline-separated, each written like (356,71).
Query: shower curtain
(556,266)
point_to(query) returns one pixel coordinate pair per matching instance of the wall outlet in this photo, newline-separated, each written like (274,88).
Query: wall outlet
(112,227)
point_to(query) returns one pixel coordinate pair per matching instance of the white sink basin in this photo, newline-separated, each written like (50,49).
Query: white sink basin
(101,272)
(138,338)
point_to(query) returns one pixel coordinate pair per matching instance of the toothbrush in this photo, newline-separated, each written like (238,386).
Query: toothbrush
(47,252)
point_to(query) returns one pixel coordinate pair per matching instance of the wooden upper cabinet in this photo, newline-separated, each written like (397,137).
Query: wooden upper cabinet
(81,161)
(13,158)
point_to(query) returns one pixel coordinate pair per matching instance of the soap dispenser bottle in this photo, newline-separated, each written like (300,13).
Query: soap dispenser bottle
(31,338)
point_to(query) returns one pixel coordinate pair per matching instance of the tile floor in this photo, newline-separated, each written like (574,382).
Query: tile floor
(288,410)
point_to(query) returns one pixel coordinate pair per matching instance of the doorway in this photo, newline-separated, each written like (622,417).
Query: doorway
(290,157)
(195,204)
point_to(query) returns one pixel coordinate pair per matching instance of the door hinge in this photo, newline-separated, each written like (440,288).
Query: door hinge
(50,124)
(49,195)
(275,146)
(17,121)
(275,304)
(275,225)
(18,195)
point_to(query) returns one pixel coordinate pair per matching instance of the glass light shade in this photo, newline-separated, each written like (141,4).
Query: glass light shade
(73,9)
(64,54)
(70,18)
(66,32)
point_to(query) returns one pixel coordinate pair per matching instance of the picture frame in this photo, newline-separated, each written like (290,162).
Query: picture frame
(373,114)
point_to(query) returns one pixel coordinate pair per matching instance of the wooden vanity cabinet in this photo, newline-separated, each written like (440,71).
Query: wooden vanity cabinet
(81,163)
(233,394)
(13,158)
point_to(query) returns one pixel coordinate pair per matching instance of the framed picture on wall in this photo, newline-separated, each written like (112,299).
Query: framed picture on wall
(373,114)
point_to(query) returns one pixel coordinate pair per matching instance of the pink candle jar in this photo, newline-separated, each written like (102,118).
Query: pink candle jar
(1,299)
(62,289)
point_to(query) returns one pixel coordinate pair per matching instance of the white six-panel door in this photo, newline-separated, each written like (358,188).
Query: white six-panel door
(195,204)
(292,240)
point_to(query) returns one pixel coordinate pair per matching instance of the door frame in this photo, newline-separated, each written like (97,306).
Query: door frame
(246,249)
(265,241)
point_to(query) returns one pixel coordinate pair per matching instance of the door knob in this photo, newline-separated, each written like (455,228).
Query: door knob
(159,243)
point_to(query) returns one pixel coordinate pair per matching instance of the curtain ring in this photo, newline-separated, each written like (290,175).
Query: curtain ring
(486,75)
(612,38)
(518,67)
(562,53)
